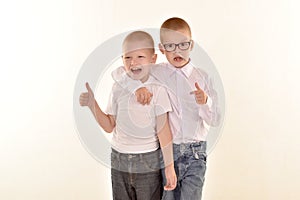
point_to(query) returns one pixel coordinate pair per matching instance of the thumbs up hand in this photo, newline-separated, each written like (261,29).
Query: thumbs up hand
(200,96)
(87,98)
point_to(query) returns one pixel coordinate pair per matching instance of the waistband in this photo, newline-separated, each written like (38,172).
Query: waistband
(135,163)
(201,145)
(192,144)
(135,155)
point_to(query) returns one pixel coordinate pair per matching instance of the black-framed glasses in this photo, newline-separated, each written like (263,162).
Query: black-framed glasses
(181,46)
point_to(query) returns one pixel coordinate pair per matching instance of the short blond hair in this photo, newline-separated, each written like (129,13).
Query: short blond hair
(145,39)
(175,24)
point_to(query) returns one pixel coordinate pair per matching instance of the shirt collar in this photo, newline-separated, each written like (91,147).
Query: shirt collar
(186,70)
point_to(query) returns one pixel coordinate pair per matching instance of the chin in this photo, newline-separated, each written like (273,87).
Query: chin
(177,65)
(135,78)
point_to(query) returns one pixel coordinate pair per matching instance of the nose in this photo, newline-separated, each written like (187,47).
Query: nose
(133,62)
(176,50)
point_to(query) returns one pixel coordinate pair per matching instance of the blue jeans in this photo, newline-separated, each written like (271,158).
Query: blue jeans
(190,167)
(136,176)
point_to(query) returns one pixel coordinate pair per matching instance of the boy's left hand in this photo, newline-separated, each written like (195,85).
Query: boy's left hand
(200,96)
(171,178)
(143,96)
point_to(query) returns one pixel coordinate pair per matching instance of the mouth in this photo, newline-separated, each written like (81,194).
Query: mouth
(136,70)
(178,59)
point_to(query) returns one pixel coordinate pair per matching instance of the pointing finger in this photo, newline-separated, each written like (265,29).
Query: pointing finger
(197,86)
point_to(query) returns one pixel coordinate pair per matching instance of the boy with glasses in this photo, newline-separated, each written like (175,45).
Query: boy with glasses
(194,103)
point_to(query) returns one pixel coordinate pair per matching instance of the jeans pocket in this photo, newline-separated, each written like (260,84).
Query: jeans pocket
(200,154)
(152,163)
(203,157)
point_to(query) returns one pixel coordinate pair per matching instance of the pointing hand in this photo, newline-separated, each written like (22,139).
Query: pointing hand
(200,96)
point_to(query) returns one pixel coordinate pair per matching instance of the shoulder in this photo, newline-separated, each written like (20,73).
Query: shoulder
(199,73)
(160,67)
(116,89)
(154,84)
(116,86)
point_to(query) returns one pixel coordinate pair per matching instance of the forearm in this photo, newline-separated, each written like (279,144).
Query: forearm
(106,121)
(209,112)
(165,139)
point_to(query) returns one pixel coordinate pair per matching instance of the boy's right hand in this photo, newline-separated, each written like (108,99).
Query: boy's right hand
(143,96)
(171,179)
(87,98)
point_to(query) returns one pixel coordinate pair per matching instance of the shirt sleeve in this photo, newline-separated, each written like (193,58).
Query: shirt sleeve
(209,112)
(112,105)
(120,76)
(162,102)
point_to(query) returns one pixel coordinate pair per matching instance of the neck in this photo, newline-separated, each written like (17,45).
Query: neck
(144,79)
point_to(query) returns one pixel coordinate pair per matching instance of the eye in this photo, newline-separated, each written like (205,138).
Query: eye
(126,57)
(141,56)
(183,44)
(169,45)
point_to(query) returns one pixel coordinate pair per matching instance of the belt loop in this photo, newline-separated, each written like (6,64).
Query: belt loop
(141,157)
(116,153)
(182,148)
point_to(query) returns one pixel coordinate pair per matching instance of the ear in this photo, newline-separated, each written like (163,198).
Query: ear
(192,44)
(154,57)
(161,48)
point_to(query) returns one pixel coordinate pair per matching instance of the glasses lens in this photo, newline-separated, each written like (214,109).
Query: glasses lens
(169,47)
(184,45)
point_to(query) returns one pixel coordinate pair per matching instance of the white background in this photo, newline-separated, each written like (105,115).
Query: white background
(253,43)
